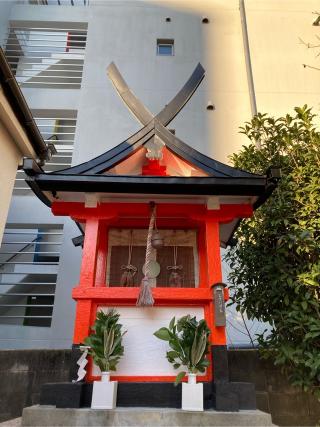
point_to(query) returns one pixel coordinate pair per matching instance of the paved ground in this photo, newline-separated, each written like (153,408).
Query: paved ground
(144,417)
(16,422)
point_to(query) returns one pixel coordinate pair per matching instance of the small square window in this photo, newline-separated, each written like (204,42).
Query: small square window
(165,47)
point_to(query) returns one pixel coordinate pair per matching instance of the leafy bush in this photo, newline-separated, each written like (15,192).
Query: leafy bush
(276,263)
(105,342)
(189,342)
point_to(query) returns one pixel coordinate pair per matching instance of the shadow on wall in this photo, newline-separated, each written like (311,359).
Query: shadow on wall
(175,39)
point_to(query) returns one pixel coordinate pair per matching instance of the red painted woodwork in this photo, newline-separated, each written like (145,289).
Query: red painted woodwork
(111,211)
(218,333)
(128,296)
(202,255)
(92,290)
(89,253)
(147,378)
(153,168)
(212,240)
(102,251)
(83,321)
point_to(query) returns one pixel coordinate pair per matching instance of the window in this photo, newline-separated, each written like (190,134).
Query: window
(165,47)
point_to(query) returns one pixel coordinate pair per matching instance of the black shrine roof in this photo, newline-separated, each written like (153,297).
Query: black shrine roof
(101,164)
(93,176)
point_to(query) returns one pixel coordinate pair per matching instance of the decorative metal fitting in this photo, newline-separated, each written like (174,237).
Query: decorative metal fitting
(157,240)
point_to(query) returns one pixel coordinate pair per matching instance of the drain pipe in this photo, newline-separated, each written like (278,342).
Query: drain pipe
(246,48)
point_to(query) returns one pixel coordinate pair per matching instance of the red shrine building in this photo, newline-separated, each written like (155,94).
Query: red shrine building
(196,203)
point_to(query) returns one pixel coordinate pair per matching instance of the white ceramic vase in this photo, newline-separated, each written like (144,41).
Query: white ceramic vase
(192,394)
(104,393)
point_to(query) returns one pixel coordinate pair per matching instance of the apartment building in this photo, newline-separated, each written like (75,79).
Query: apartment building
(59,50)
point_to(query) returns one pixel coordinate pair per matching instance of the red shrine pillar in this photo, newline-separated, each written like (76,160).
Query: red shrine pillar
(102,250)
(212,242)
(225,396)
(87,278)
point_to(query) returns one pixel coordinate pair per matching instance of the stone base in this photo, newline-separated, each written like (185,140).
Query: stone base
(223,396)
(153,395)
(67,395)
(50,416)
(232,396)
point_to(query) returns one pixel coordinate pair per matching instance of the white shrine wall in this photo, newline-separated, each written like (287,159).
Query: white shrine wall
(145,355)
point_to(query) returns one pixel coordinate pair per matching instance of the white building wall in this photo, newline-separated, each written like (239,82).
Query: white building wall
(9,161)
(276,29)
(126,32)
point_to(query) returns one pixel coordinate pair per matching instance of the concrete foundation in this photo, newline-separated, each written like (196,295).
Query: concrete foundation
(23,373)
(51,416)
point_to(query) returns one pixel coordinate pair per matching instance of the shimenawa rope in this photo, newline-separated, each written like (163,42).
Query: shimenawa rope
(145,298)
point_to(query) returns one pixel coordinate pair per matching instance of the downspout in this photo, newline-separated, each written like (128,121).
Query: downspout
(246,48)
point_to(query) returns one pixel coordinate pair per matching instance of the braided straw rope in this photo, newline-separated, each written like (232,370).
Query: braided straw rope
(145,298)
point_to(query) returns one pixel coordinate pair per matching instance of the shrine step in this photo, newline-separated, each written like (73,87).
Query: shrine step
(52,416)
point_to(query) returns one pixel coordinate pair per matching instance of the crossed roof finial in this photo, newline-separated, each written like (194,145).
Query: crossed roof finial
(144,116)
(153,133)
(169,111)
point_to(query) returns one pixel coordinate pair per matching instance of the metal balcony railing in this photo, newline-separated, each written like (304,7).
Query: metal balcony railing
(55,2)
(46,57)
(58,130)
(29,259)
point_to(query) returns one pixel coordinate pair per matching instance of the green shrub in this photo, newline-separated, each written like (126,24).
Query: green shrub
(105,341)
(275,265)
(189,343)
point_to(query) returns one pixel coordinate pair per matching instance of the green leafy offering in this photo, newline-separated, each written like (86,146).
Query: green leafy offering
(105,341)
(275,264)
(189,343)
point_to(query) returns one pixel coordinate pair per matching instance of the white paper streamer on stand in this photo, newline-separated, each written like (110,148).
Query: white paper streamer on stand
(82,362)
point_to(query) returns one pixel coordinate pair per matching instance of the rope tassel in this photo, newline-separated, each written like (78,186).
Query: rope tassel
(145,298)
(175,278)
(129,269)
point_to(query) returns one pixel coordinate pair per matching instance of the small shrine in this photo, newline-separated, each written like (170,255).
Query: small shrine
(154,213)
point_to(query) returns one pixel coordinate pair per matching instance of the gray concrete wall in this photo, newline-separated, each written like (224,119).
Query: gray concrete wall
(288,406)
(23,372)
